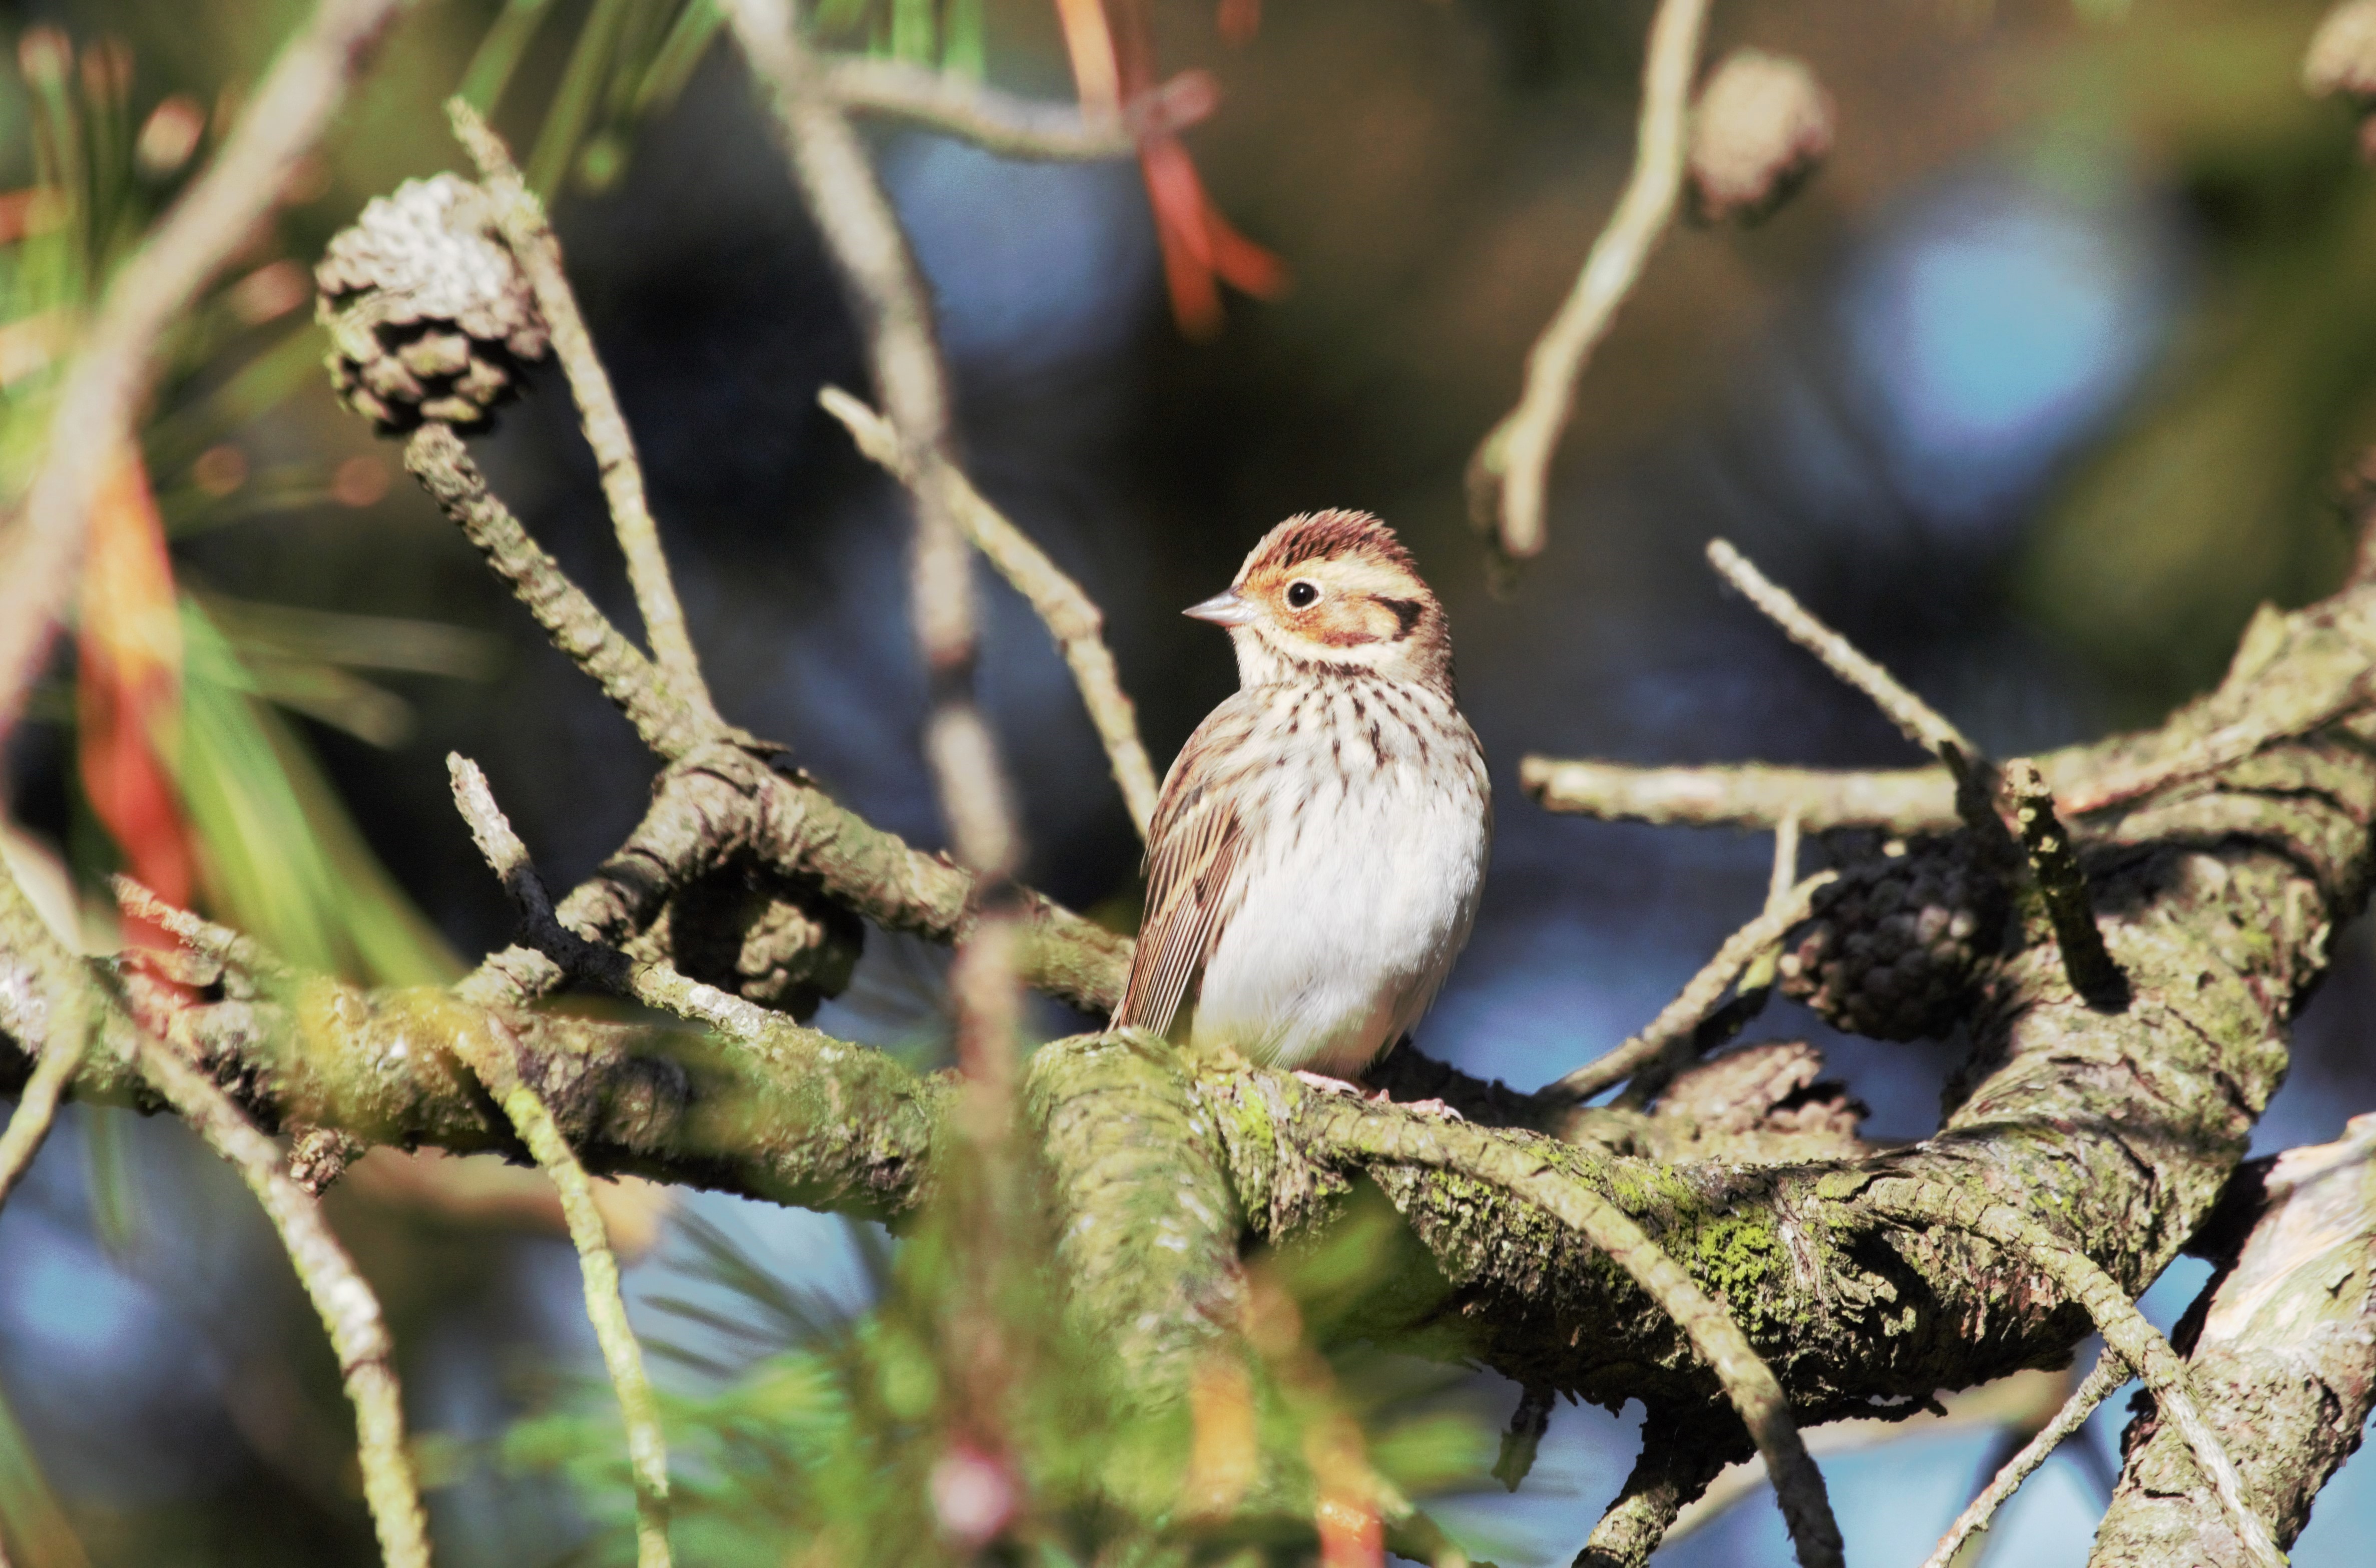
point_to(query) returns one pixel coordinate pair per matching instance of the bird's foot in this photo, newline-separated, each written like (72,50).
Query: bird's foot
(1326,1085)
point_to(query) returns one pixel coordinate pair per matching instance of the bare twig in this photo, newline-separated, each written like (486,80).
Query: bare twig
(1747,1382)
(2124,1329)
(36,1106)
(90,428)
(519,218)
(496,1060)
(348,1309)
(666,719)
(233,949)
(1012,126)
(1508,476)
(2108,1373)
(1678,1018)
(1912,800)
(344,1301)
(2063,883)
(1920,722)
(1070,616)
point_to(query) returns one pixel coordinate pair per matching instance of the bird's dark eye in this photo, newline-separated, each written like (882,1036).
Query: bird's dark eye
(1301,595)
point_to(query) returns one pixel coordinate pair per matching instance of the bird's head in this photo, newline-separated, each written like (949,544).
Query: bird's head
(1331,591)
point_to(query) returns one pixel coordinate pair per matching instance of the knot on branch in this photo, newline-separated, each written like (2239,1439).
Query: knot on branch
(1892,948)
(754,933)
(430,318)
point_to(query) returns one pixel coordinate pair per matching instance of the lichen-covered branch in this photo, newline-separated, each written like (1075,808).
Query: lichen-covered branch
(37,1102)
(2124,1328)
(1680,1456)
(1509,475)
(494,1057)
(2282,1357)
(53,1005)
(519,219)
(2062,883)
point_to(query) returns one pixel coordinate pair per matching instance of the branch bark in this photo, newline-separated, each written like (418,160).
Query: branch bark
(2282,1357)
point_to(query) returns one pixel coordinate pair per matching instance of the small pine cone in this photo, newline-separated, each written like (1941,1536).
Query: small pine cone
(430,318)
(1890,949)
(1762,125)
(765,938)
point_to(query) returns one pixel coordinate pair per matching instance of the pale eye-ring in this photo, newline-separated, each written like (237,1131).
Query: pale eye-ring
(1301,595)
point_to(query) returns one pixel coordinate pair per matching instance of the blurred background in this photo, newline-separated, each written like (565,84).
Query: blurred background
(2045,381)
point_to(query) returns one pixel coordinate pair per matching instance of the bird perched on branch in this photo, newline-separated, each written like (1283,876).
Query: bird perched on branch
(1316,859)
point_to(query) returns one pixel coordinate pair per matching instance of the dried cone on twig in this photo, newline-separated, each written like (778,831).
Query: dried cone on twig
(430,318)
(1763,124)
(1892,947)
(766,938)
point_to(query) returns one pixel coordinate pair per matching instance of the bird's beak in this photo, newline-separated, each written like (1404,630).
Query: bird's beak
(1224,609)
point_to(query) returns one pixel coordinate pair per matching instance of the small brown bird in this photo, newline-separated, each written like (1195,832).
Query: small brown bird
(1316,859)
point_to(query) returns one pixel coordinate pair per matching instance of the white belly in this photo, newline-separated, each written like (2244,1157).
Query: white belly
(1356,905)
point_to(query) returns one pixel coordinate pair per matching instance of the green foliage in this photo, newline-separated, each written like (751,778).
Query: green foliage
(803,1431)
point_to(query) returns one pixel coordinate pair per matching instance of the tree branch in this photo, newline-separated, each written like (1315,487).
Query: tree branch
(1070,616)
(1012,126)
(2108,1372)
(52,995)
(2124,1328)
(519,219)
(1509,474)
(1669,1034)
(91,427)
(1905,800)
(2283,1357)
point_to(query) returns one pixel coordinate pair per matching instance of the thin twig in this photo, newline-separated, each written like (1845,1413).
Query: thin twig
(519,219)
(662,716)
(575,951)
(496,1062)
(2108,1373)
(2063,883)
(231,948)
(1906,801)
(1070,616)
(1508,476)
(1748,1383)
(1680,1018)
(2124,1329)
(91,427)
(1012,126)
(348,1309)
(340,1296)
(37,1105)
(1920,722)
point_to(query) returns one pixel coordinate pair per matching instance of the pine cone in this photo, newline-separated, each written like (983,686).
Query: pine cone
(430,318)
(770,940)
(1890,950)
(1762,125)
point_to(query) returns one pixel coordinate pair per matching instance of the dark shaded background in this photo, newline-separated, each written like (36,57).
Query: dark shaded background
(2036,392)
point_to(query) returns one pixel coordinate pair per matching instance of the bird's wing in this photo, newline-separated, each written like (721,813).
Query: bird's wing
(1193,848)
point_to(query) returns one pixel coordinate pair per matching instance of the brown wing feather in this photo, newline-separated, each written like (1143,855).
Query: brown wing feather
(1192,860)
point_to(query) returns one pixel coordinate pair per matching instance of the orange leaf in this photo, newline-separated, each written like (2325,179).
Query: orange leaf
(128,682)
